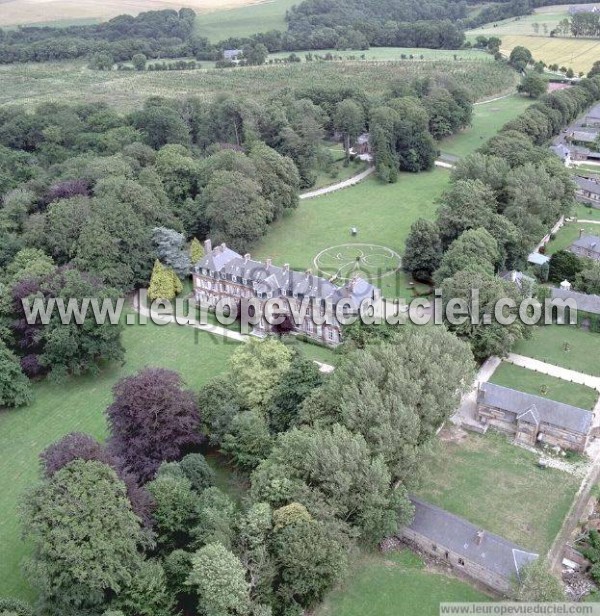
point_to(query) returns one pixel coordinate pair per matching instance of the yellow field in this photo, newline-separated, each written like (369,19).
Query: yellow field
(15,12)
(532,32)
(578,54)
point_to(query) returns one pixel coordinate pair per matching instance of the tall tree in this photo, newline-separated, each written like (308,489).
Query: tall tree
(423,251)
(15,389)
(86,539)
(153,419)
(349,120)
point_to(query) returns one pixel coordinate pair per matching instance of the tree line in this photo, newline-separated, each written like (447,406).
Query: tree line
(502,200)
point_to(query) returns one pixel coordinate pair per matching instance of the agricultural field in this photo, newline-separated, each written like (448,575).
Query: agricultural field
(396,53)
(244,19)
(488,119)
(394,583)
(498,486)
(68,12)
(382,214)
(578,54)
(78,405)
(565,346)
(538,384)
(73,82)
(569,233)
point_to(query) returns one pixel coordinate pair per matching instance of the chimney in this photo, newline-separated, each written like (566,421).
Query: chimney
(268,263)
(223,247)
(286,267)
(247,257)
(581,232)
(207,247)
(308,273)
(479,537)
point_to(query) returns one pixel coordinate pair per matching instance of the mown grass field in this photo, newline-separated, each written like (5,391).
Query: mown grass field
(392,584)
(382,213)
(67,12)
(65,82)
(78,405)
(538,384)
(498,486)
(570,232)
(565,346)
(244,20)
(578,54)
(488,119)
(588,213)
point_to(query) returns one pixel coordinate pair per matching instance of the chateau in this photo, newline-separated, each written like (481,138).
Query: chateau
(224,274)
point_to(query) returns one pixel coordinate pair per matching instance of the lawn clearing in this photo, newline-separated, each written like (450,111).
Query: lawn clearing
(499,486)
(569,233)
(392,584)
(338,173)
(563,345)
(588,213)
(382,213)
(488,119)
(538,384)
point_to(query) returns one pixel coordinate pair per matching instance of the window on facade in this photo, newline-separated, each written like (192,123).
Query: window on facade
(330,334)
(461,562)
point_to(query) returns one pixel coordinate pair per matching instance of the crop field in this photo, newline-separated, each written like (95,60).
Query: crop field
(67,12)
(532,31)
(244,20)
(538,384)
(382,214)
(394,583)
(31,84)
(499,487)
(396,53)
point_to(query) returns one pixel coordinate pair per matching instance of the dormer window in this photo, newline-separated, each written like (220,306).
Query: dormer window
(234,278)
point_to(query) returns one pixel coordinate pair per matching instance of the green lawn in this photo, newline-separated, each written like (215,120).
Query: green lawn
(244,21)
(382,213)
(488,119)
(498,486)
(549,344)
(538,384)
(394,584)
(569,233)
(588,213)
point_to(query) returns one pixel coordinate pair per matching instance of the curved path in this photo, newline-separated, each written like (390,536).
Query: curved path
(340,185)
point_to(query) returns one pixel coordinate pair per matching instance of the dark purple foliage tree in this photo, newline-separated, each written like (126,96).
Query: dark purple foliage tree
(30,364)
(80,446)
(152,420)
(67,189)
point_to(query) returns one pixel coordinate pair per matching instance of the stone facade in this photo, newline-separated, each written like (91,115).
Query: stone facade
(471,551)
(533,419)
(225,274)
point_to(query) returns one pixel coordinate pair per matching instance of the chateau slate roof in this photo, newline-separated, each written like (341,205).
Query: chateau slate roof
(584,136)
(266,277)
(588,185)
(493,552)
(585,302)
(535,409)
(588,242)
